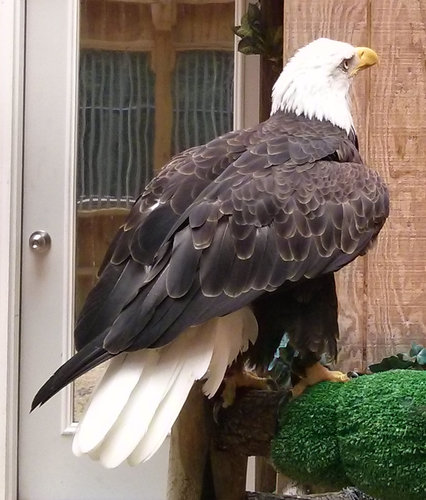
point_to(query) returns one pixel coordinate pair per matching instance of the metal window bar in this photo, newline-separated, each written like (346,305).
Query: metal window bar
(202,97)
(115,132)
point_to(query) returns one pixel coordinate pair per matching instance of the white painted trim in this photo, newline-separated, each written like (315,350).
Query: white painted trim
(69,222)
(246,114)
(11,105)
(246,80)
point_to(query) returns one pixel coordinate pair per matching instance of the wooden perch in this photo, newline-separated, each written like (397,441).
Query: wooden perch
(208,455)
(248,426)
(208,459)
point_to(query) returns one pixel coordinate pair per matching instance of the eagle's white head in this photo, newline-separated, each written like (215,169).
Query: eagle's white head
(316,81)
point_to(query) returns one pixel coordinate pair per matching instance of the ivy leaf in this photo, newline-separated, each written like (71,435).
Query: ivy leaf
(237,31)
(284,341)
(405,357)
(415,349)
(415,359)
(421,357)
(273,363)
(248,46)
(278,38)
(391,363)
(253,13)
(242,31)
(256,38)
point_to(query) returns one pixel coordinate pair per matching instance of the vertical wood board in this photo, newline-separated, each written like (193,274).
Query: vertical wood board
(396,306)
(382,296)
(346,20)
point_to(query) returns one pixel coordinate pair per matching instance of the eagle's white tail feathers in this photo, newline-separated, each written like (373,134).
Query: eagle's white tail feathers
(142,393)
(164,418)
(93,454)
(118,382)
(228,346)
(250,327)
(136,418)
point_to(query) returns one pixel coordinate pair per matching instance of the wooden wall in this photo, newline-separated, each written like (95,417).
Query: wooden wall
(383,295)
(132,25)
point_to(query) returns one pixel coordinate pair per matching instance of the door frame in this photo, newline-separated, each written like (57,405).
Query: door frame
(12,26)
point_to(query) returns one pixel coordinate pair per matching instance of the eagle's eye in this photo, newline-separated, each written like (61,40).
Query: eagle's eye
(345,64)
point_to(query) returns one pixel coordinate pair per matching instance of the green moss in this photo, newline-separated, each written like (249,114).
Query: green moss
(369,432)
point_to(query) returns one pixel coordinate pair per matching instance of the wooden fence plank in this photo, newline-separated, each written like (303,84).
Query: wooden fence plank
(381,296)
(396,289)
(346,20)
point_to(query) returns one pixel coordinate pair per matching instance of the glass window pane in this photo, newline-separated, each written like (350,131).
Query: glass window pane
(115,161)
(115,136)
(128,50)
(202,97)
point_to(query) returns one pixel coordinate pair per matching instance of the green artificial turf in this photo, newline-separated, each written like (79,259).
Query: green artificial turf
(369,433)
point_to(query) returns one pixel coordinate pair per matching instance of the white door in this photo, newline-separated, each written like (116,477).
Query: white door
(47,468)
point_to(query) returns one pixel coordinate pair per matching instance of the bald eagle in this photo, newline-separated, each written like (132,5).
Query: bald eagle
(231,244)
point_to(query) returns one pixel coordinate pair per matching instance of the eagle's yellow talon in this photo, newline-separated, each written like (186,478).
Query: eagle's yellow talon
(335,376)
(315,374)
(298,389)
(228,394)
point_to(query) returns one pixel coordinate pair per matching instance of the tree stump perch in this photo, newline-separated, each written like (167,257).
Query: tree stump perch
(208,458)
(248,426)
(189,448)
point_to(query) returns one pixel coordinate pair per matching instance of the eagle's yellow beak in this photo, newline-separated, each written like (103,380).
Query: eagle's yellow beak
(366,58)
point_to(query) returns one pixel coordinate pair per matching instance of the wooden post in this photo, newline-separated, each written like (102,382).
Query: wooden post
(265,475)
(198,468)
(189,447)
(229,473)
(163,62)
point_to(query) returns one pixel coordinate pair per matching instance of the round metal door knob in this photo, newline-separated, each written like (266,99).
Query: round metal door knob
(40,241)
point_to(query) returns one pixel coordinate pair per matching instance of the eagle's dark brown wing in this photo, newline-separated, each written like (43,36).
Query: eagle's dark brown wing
(163,201)
(252,233)
(287,201)
(284,138)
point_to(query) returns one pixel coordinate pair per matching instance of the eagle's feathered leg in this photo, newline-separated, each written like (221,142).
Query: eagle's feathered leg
(315,374)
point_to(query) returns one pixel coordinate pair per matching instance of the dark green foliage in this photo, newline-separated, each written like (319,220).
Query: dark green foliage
(414,359)
(279,368)
(369,432)
(259,39)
